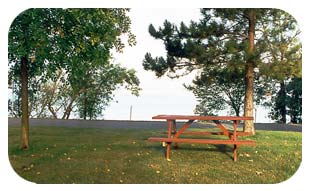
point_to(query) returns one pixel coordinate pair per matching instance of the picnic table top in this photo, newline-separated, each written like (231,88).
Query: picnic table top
(195,117)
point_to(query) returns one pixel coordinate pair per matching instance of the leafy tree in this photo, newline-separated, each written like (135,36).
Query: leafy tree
(99,91)
(287,101)
(42,41)
(278,102)
(217,90)
(294,90)
(281,61)
(235,39)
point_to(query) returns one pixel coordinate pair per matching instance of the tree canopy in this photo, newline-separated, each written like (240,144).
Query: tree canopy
(239,40)
(77,41)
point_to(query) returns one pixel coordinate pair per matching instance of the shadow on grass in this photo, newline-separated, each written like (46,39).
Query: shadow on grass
(225,149)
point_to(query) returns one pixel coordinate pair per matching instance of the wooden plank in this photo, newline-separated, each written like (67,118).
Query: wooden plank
(183,128)
(202,141)
(219,125)
(170,126)
(207,118)
(210,133)
(197,133)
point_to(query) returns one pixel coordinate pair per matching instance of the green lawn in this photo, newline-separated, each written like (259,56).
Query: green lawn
(89,155)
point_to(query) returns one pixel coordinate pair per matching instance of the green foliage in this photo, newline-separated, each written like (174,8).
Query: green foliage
(280,46)
(98,87)
(279,104)
(294,90)
(217,90)
(220,41)
(287,100)
(77,42)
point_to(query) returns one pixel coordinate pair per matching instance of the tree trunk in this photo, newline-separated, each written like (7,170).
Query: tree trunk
(282,104)
(51,109)
(25,115)
(85,103)
(249,78)
(68,110)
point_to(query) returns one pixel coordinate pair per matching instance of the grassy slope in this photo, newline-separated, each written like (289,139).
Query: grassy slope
(81,155)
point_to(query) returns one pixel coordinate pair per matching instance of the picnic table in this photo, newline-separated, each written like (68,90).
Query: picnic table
(174,134)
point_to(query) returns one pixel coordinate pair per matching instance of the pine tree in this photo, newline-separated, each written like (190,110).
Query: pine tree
(236,39)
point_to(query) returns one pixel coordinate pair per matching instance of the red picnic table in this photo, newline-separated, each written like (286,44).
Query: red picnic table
(174,133)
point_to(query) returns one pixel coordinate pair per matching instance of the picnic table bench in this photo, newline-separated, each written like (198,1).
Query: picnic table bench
(174,133)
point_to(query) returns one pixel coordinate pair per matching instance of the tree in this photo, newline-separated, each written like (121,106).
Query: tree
(223,38)
(281,61)
(286,100)
(278,102)
(294,90)
(218,90)
(41,41)
(99,92)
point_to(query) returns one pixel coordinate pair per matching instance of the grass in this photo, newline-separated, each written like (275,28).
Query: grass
(90,155)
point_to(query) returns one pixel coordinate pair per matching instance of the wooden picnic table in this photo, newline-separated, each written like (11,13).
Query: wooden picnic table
(174,133)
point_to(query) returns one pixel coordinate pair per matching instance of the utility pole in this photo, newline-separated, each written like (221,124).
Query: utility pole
(130,114)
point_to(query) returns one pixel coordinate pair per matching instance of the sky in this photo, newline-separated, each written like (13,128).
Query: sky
(159,95)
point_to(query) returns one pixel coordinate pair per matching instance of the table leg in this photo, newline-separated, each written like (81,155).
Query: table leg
(235,152)
(168,147)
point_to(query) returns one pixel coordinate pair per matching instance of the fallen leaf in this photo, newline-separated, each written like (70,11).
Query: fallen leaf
(164,144)
(38,173)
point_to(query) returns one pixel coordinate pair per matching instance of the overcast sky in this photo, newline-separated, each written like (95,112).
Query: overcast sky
(159,95)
